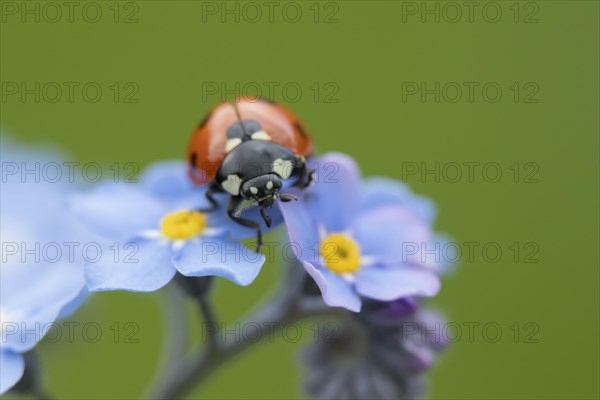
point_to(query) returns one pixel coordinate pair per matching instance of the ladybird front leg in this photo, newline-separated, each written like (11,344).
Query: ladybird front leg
(268,220)
(232,206)
(306,176)
(209,194)
(310,177)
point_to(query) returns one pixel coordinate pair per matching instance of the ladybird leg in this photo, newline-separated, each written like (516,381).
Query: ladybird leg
(267,219)
(234,203)
(209,194)
(310,177)
(286,197)
(305,176)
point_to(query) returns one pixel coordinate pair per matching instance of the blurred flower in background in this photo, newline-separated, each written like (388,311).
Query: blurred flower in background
(380,353)
(158,229)
(356,239)
(41,277)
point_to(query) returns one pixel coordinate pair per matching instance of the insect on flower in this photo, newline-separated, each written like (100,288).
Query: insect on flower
(250,149)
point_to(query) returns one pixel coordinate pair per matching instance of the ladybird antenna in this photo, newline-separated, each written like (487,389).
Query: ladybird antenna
(239,117)
(285,197)
(239,212)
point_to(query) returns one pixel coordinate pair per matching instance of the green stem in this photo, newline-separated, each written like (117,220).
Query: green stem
(176,338)
(277,313)
(210,319)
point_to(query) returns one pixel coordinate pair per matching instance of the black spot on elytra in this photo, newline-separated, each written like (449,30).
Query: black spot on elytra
(235,131)
(193,159)
(251,126)
(243,130)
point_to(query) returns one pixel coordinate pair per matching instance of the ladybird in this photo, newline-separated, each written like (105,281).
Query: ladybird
(251,149)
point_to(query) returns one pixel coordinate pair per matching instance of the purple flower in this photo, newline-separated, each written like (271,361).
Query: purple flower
(360,239)
(360,358)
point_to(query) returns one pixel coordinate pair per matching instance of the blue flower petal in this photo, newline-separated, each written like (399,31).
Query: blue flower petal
(384,191)
(74,304)
(335,290)
(34,289)
(447,256)
(26,286)
(12,367)
(220,257)
(32,296)
(335,196)
(304,240)
(392,234)
(391,283)
(117,211)
(167,179)
(301,229)
(140,266)
(25,330)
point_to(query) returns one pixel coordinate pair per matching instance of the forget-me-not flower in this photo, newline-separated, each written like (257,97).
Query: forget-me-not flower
(157,230)
(362,239)
(363,359)
(41,275)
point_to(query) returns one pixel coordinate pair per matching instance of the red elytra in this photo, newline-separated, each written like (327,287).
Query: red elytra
(206,149)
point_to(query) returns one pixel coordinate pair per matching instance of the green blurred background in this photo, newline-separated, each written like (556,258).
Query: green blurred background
(161,65)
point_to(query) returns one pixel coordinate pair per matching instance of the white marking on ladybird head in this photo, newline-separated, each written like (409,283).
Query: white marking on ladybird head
(261,135)
(253,190)
(232,144)
(283,168)
(232,184)
(270,185)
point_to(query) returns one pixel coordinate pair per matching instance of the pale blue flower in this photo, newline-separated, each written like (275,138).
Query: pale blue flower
(40,279)
(155,233)
(362,239)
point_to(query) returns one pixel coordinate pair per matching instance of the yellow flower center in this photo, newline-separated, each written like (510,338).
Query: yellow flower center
(183,224)
(340,253)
